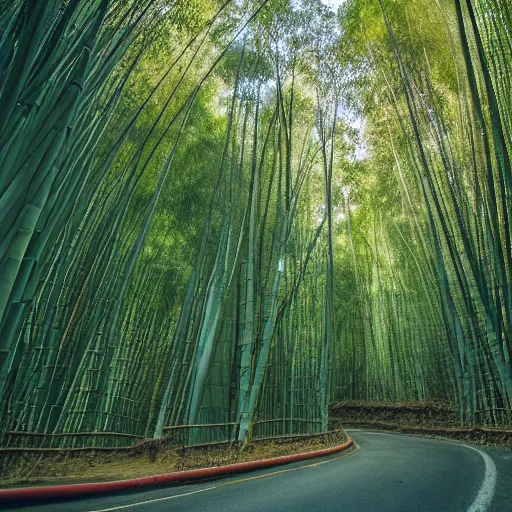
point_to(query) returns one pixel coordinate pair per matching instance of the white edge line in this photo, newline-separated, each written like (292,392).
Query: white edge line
(486,492)
(138,504)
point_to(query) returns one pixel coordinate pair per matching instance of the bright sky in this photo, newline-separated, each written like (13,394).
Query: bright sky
(334,3)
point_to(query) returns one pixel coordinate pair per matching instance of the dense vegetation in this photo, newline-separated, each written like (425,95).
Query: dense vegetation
(432,256)
(217,216)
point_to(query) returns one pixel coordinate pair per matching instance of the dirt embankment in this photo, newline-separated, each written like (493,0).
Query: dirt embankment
(437,419)
(145,459)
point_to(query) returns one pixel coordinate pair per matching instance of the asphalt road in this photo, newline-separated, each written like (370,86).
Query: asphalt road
(389,473)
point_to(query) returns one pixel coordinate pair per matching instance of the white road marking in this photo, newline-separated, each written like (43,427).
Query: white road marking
(153,501)
(486,492)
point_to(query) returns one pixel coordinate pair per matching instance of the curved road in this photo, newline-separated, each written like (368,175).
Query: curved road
(389,473)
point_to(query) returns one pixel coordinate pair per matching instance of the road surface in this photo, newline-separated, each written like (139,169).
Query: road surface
(389,473)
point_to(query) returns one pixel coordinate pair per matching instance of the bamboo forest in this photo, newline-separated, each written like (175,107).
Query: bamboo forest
(220,217)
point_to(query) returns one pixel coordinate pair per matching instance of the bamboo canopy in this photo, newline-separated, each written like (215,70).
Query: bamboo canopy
(216,217)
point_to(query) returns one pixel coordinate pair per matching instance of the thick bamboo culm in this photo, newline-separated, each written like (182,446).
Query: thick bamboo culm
(104,355)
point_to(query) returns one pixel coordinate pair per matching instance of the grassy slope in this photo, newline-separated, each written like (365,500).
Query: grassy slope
(146,459)
(438,419)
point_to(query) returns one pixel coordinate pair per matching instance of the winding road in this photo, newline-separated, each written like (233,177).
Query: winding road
(389,473)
